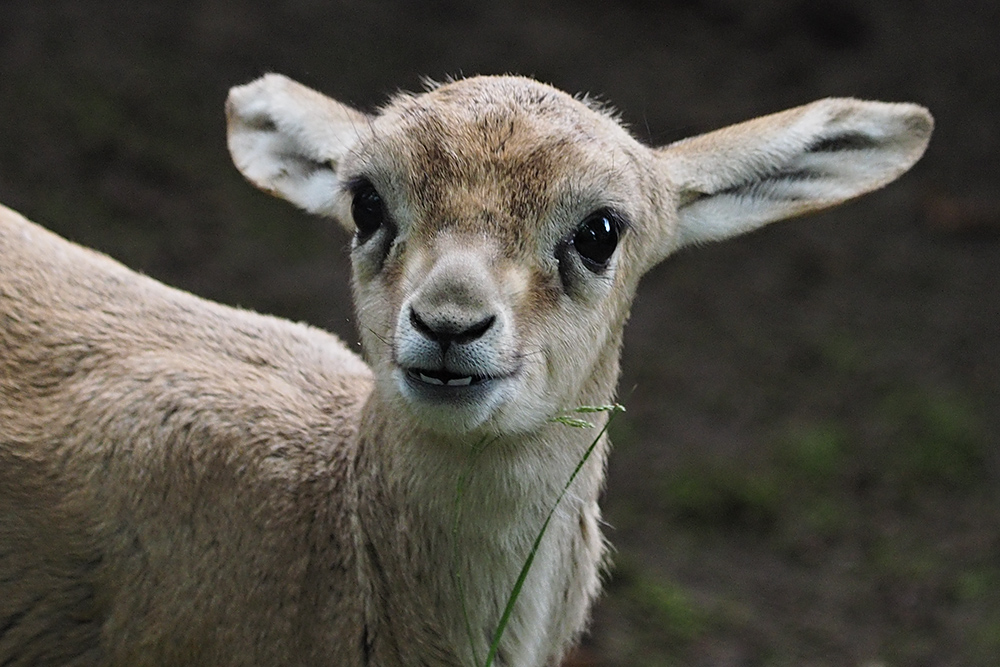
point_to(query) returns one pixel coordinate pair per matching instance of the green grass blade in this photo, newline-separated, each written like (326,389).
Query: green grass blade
(516,591)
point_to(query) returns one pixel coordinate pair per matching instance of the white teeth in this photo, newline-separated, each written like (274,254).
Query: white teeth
(438,382)
(429,380)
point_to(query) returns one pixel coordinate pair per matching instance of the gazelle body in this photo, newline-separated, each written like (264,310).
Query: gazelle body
(187,483)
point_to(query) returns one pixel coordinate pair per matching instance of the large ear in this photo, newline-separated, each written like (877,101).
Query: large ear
(287,139)
(741,177)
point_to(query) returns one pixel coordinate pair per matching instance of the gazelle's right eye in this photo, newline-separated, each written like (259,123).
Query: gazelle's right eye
(368,210)
(596,239)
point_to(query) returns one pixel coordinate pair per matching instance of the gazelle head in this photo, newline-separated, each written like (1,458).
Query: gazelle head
(501,226)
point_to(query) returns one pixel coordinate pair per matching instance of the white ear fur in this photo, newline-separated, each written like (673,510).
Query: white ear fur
(287,139)
(741,177)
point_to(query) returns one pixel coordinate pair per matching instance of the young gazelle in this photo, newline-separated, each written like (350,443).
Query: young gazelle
(183,483)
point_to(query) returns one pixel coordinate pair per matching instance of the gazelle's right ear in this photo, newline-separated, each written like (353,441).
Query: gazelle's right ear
(805,159)
(287,139)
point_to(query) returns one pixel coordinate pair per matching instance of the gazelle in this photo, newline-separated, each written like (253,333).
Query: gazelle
(184,483)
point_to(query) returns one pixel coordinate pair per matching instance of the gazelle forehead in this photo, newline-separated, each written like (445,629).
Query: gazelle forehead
(496,152)
(489,126)
(505,95)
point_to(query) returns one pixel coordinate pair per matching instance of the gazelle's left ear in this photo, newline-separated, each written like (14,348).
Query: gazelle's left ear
(288,140)
(741,177)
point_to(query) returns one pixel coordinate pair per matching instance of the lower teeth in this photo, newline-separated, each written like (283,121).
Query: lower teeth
(456,382)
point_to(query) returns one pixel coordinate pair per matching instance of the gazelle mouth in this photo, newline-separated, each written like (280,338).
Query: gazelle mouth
(443,378)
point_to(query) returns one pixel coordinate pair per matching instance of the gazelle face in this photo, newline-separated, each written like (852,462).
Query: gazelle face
(493,235)
(500,226)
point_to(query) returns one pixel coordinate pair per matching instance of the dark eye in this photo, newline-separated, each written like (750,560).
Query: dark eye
(596,239)
(368,210)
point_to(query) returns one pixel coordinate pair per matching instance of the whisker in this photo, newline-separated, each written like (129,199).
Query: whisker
(387,340)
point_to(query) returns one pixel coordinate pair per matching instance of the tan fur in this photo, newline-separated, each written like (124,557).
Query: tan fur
(183,483)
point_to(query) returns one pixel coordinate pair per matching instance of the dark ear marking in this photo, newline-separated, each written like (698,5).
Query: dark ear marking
(261,123)
(302,166)
(849,141)
(792,175)
(765,186)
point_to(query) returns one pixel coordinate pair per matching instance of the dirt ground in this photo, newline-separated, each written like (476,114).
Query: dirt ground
(808,470)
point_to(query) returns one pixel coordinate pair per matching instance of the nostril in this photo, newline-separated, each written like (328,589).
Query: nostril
(418,323)
(447,330)
(476,330)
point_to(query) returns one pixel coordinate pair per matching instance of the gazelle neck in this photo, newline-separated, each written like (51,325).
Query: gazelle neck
(447,527)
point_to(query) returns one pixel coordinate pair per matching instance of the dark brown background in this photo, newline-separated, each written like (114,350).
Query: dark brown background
(807,473)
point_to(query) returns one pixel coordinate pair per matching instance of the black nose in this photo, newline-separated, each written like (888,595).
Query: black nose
(447,330)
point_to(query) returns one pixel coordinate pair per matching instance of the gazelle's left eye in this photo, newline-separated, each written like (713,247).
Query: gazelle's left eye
(596,239)
(367,210)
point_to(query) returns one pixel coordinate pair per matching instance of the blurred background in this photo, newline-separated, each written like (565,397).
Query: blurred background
(808,470)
